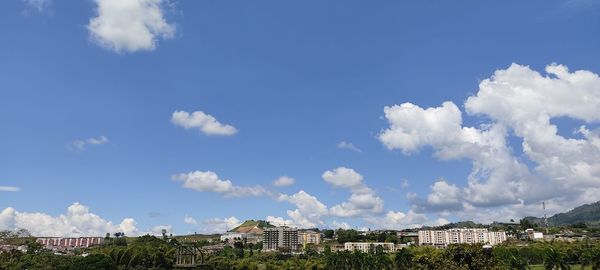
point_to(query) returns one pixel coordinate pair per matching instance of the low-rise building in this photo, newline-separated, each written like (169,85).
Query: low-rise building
(231,236)
(533,235)
(369,247)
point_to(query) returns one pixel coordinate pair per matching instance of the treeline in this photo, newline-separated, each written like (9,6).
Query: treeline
(149,252)
(145,252)
(555,255)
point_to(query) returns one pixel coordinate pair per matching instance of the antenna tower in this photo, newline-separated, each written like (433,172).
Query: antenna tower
(545,218)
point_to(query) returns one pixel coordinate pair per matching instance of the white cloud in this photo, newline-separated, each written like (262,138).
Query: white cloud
(219,225)
(521,102)
(80,144)
(209,182)
(343,177)
(130,25)
(404,184)
(309,210)
(37,5)
(362,201)
(348,146)
(397,220)
(206,123)
(9,189)
(284,181)
(279,221)
(359,204)
(158,230)
(78,221)
(443,196)
(190,220)
(340,225)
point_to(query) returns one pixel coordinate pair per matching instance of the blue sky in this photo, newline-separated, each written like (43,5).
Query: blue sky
(295,79)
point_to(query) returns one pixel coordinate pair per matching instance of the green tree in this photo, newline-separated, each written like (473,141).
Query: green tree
(554,259)
(403,259)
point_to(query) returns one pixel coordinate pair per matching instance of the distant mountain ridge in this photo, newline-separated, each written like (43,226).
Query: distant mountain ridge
(587,213)
(252,226)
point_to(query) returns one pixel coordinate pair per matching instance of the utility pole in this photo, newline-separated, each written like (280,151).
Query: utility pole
(545,218)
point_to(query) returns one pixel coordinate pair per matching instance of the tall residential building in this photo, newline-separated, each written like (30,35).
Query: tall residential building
(460,236)
(280,237)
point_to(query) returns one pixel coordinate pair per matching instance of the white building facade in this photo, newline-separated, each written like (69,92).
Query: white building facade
(368,247)
(460,236)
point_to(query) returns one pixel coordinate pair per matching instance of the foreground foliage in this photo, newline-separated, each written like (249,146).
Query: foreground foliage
(148,252)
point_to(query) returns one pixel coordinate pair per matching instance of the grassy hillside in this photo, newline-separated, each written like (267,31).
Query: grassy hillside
(587,213)
(252,223)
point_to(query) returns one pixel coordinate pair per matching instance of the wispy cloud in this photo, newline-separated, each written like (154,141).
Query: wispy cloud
(284,181)
(80,144)
(9,189)
(348,146)
(37,5)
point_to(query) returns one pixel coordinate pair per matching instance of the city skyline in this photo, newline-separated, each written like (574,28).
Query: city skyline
(193,116)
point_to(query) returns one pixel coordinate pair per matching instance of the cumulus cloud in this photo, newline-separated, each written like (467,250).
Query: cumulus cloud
(190,220)
(130,25)
(78,221)
(81,144)
(206,123)
(284,181)
(348,146)
(158,230)
(521,102)
(399,220)
(363,200)
(443,196)
(359,204)
(279,221)
(343,177)
(219,225)
(210,182)
(9,188)
(37,5)
(340,225)
(309,210)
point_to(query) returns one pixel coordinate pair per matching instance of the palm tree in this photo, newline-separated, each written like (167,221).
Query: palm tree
(554,259)
(518,263)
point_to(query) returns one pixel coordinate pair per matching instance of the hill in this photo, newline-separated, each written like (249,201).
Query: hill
(587,213)
(252,226)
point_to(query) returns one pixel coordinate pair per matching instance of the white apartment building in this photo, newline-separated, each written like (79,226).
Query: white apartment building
(460,236)
(368,247)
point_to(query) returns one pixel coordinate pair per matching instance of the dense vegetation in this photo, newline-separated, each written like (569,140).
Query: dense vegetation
(149,252)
